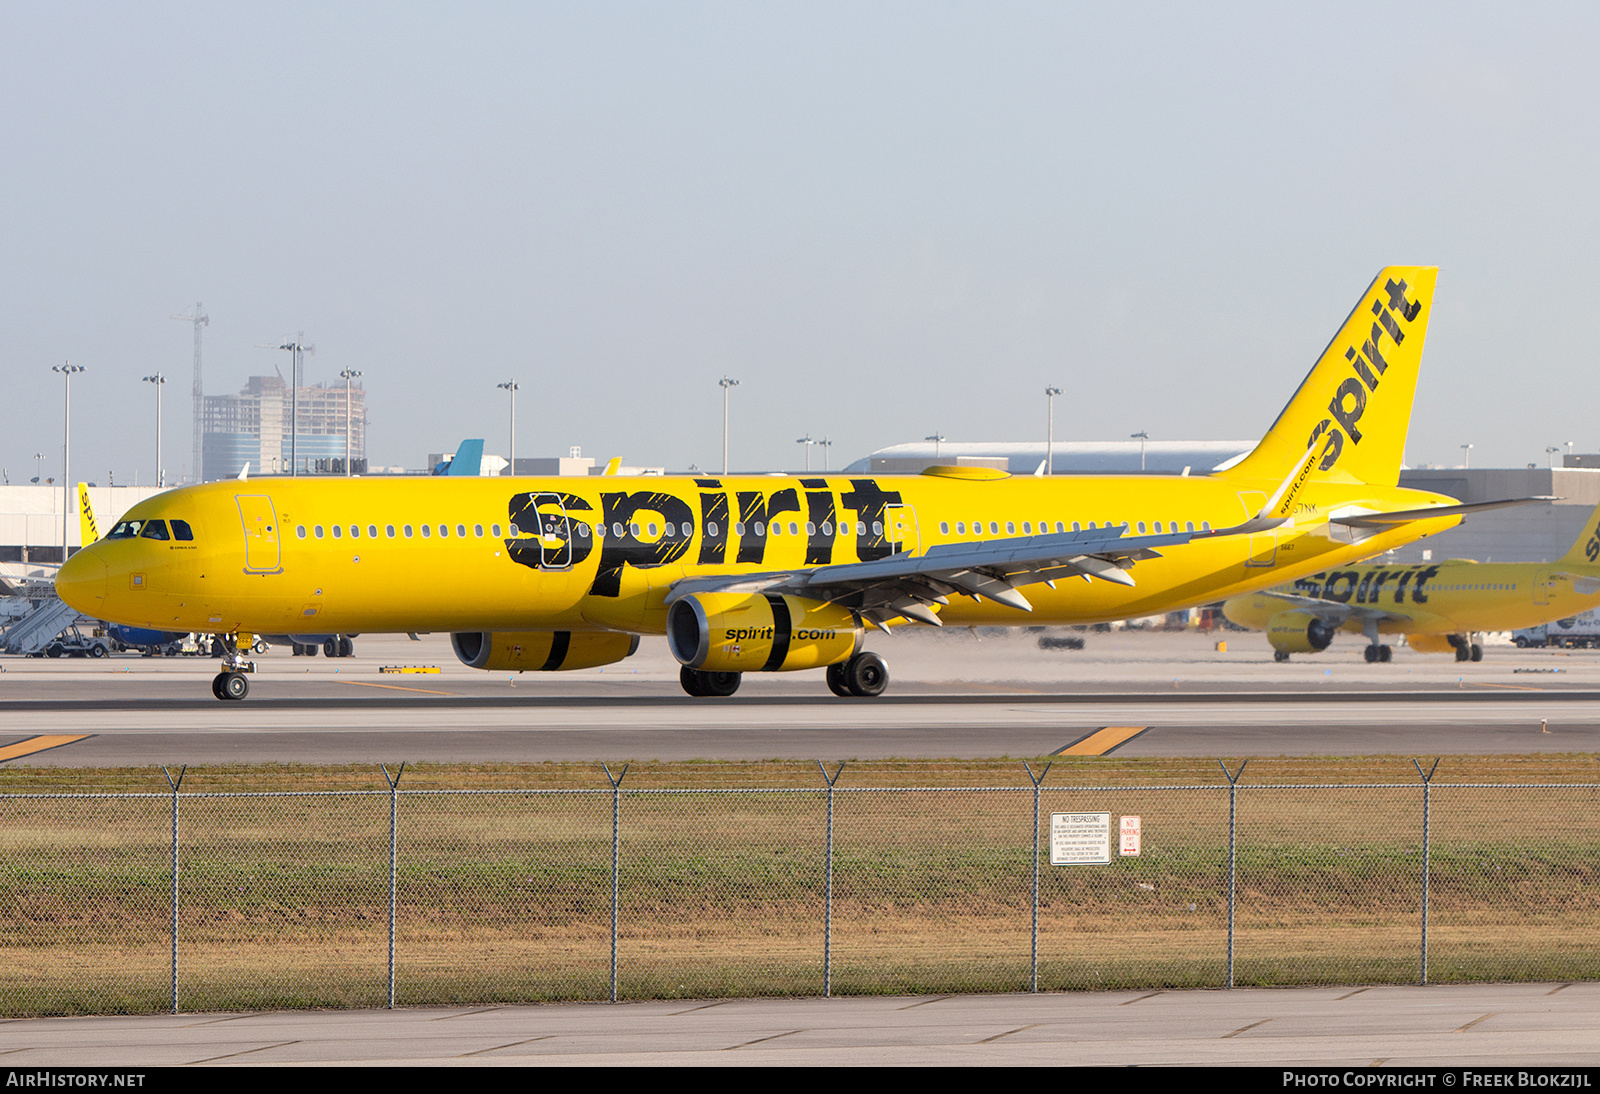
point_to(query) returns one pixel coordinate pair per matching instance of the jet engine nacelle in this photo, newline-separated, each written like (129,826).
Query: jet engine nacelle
(541,651)
(1299,632)
(761,632)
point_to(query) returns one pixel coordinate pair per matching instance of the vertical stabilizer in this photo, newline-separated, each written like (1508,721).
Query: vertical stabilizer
(88,529)
(1354,407)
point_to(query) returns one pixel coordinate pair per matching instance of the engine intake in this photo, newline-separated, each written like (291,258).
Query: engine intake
(541,651)
(1299,632)
(765,632)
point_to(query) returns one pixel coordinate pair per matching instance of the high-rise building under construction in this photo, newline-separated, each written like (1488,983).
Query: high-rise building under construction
(254,427)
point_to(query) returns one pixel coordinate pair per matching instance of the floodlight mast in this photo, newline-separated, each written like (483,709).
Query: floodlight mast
(511,386)
(297,348)
(348,374)
(158,379)
(199,319)
(1050,393)
(67,370)
(725,383)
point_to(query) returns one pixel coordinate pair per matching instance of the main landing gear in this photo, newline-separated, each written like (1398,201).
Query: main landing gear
(705,684)
(1376,654)
(231,684)
(864,675)
(1466,648)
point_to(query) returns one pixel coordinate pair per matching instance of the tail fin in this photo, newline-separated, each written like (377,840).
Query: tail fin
(1586,550)
(88,530)
(1355,404)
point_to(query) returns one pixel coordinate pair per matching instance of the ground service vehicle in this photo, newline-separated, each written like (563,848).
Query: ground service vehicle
(768,574)
(1581,631)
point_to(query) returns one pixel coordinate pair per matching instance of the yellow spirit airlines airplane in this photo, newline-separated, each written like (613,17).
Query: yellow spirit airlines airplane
(1437,607)
(776,573)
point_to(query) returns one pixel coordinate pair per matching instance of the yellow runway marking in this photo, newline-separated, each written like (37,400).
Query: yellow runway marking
(1513,687)
(38,744)
(1101,741)
(394,687)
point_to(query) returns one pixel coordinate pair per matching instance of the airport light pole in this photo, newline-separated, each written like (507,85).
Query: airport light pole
(1141,437)
(298,348)
(1466,464)
(726,383)
(38,466)
(348,374)
(67,370)
(826,444)
(937,439)
(511,386)
(158,379)
(808,442)
(1050,393)
(1552,450)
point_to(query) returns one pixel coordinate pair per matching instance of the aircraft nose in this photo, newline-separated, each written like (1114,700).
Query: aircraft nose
(81,582)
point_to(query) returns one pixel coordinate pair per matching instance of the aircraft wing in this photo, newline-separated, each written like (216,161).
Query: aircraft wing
(1330,611)
(909,585)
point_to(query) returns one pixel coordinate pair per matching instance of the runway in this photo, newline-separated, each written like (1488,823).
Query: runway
(953,697)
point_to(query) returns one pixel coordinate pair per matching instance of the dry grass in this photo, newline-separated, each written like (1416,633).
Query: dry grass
(283,901)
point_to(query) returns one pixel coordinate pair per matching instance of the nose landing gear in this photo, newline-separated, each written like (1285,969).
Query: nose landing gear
(231,684)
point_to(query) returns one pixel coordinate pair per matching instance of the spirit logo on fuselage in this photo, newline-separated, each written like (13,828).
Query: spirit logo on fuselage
(1367,364)
(1366,586)
(651,528)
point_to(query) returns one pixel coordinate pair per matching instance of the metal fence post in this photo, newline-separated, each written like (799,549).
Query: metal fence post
(1427,794)
(827,885)
(394,817)
(174,784)
(1233,853)
(616,829)
(1033,961)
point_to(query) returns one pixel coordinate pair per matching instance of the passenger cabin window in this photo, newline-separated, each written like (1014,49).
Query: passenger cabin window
(338,532)
(317,531)
(300,531)
(495,530)
(426,531)
(389,529)
(182,531)
(154,529)
(461,530)
(407,531)
(372,531)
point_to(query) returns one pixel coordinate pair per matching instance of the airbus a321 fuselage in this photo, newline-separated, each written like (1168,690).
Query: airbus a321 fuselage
(779,573)
(1437,606)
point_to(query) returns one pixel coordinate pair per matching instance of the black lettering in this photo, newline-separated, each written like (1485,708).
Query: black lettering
(1363,370)
(1331,447)
(1331,591)
(819,511)
(868,500)
(1348,418)
(1366,583)
(1398,301)
(1311,586)
(1388,322)
(1400,587)
(628,549)
(547,515)
(714,529)
(1374,354)
(1417,595)
(755,508)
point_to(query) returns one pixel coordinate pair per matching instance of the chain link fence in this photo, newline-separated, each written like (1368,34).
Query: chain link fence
(139,902)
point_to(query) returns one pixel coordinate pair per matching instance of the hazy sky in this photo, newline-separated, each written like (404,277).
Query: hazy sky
(884,219)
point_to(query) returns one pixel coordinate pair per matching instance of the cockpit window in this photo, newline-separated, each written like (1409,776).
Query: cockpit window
(127,529)
(181,530)
(154,529)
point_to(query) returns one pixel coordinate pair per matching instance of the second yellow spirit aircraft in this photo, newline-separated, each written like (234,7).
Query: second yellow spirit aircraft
(769,574)
(1439,607)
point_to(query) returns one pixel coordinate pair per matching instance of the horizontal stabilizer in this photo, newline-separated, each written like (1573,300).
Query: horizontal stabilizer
(1406,516)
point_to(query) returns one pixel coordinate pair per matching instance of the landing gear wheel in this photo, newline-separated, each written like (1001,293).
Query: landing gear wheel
(1463,653)
(1477,652)
(331,647)
(1372,655)
(1385,653)
(707,684)
(216,685)
(837,683)
(690,679)
(233,685)
(347,648)
(866,675)
(1280,656)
